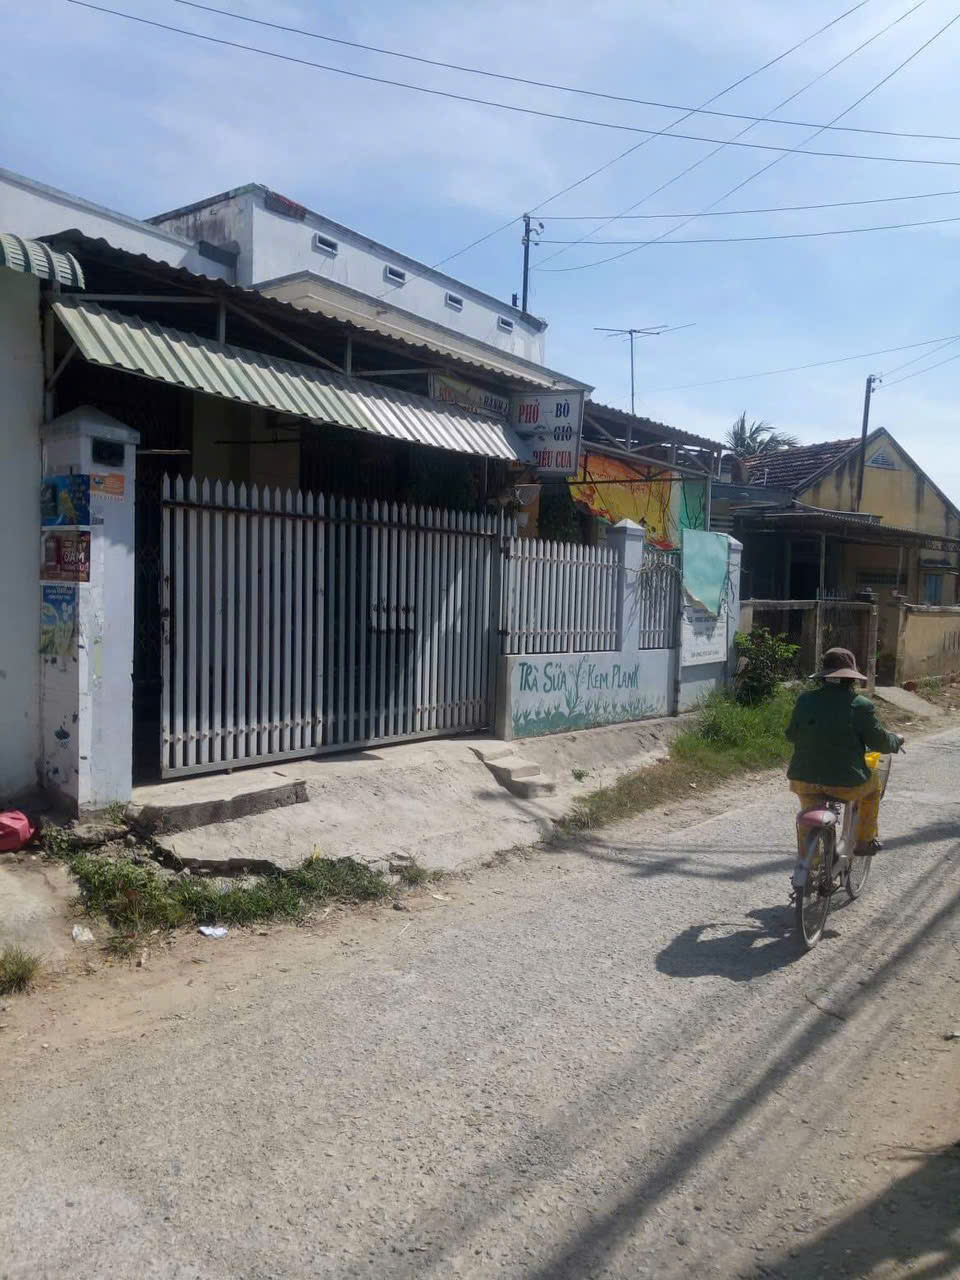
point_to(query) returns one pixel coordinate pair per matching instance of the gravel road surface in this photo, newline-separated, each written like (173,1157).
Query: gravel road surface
(607,1060)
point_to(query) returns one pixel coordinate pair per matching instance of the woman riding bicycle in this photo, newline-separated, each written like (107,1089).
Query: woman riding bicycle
(831,729)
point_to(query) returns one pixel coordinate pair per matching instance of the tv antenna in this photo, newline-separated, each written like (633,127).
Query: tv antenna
(648,331)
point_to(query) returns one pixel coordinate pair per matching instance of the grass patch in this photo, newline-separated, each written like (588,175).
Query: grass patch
(726,738)
(135,898)
(413,875)
(18,968)
(579,774)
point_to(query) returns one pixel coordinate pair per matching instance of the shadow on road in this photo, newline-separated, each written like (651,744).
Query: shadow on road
(914,1223)
(746,953)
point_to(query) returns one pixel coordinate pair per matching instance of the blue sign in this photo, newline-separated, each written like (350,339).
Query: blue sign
(65,500)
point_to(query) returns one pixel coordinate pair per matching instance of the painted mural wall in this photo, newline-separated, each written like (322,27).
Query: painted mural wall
(664,502)
(556,693)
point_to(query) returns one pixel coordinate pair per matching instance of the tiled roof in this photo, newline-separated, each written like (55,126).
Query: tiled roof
(794,468)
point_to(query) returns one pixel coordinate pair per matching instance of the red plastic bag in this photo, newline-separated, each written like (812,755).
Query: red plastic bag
(16,830)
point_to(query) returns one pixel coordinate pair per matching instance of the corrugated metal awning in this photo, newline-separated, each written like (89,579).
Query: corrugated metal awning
(38,259)
(270,382)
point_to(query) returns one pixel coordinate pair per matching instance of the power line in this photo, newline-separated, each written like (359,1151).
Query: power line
(709,156)
(765,168)
(504,106)
(548,84)
(816,364)
(729,213)
(925,356)
(785,235)
(917,372)
(636,146)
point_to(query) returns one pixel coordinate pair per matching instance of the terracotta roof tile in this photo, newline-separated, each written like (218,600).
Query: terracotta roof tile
(793,468)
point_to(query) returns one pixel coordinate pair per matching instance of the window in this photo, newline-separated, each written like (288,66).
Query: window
(323,244)
(882,459)
(453,301)
(395,275)
(505,325)
(932,588)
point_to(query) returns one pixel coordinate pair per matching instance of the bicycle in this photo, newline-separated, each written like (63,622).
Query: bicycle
(825,863)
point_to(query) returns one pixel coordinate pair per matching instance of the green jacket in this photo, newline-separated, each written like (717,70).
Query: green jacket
(831,729)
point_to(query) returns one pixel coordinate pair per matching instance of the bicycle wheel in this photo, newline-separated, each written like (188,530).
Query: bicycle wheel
(856,876)
(813,899)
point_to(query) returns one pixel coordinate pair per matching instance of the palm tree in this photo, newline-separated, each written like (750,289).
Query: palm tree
(749,440)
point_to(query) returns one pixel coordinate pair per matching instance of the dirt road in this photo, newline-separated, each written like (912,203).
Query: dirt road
(603,1061)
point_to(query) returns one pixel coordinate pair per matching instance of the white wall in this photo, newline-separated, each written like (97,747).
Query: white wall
(21,410)
(32,210)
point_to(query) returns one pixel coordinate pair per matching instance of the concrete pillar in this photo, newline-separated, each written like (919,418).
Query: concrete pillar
(86,609)
(628,537)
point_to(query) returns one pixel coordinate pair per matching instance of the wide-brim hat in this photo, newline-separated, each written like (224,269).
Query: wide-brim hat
(840,664)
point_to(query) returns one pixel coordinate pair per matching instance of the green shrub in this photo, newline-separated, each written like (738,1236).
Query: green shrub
(764,663)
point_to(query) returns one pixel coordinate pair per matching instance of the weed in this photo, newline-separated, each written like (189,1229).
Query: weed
(579,774)
(121,945)
(135,898)
(18,968)
(116,813)
(727,738)
(57,842)
(412,874)
(929,686)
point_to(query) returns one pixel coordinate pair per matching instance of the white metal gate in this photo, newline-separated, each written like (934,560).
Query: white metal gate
(300,623)
(659,599)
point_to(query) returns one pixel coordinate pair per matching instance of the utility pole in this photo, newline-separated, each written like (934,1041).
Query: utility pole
(526,257)
(651,331)
(873,380)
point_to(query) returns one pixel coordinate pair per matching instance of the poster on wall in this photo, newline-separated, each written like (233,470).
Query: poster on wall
(109,485)
(66,557)
(706,577)
(551,423)
(58,622)
(65,500)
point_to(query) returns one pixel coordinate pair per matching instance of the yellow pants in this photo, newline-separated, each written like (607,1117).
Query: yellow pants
(868,794)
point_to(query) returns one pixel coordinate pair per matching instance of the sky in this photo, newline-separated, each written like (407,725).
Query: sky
(142,120)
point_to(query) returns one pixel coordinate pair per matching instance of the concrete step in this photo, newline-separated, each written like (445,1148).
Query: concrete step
(521,777)
(212,798)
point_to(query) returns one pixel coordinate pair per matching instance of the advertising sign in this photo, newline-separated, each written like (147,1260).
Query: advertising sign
(58,622)
(66,557)
(65,500)
(466,395)
(551,422)
(108,485)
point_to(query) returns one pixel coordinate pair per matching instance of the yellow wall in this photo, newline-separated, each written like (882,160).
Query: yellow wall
(931,644)
(216,421)
(902,497)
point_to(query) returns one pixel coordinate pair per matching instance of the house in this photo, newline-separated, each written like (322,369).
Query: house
(893,532)
(255,529)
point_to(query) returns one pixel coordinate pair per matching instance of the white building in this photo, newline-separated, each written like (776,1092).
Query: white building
(290,252)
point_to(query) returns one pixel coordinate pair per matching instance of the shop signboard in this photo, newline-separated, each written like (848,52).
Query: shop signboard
(550,422)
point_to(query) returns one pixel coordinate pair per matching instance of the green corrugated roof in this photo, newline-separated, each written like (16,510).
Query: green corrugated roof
(169,355)
(38,259)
